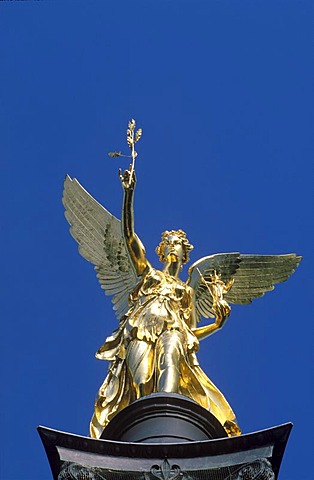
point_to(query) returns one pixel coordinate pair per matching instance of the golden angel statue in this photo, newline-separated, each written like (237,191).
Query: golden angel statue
(154,347)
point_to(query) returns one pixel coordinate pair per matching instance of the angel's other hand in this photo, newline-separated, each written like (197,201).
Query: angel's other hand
(128,179)
(222,311)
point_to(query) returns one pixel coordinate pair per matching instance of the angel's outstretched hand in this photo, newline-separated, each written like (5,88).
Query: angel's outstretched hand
(128,179)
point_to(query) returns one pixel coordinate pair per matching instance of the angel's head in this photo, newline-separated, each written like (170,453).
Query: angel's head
(174,247)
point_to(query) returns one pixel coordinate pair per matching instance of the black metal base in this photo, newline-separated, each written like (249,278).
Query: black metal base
(164,418)
(165,437)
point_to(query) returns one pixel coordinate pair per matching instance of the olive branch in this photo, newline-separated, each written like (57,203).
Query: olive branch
(132,137)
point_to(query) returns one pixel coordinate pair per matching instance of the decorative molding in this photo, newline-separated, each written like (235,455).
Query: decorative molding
(74,471)
(258,470)
(166,472)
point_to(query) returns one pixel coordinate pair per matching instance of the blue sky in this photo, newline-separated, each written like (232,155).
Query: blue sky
(224,93)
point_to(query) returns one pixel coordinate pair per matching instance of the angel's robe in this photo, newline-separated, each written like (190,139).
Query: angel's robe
(154,349)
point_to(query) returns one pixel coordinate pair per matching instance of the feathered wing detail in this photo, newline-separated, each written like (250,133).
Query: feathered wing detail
(252,276)
(99,236)
(258,274)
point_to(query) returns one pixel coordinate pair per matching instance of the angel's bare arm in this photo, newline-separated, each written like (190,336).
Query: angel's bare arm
(203,332)
(134,245)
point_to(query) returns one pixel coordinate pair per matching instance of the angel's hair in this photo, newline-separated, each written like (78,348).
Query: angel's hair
(187,247)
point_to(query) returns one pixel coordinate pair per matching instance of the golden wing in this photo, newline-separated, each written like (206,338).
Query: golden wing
(258,274)
(100,240)
(252,276)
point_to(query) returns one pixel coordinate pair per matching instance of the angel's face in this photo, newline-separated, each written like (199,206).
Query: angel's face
(173,249)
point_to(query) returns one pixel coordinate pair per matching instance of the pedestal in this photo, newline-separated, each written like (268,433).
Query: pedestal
(164,418)
(165,437)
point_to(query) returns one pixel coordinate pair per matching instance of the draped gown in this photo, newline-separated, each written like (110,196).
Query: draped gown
(154,349)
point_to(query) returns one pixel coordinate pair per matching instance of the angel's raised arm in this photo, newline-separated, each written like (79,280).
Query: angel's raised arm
(133,243)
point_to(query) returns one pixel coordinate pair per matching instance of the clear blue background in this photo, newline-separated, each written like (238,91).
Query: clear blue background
(224,93)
